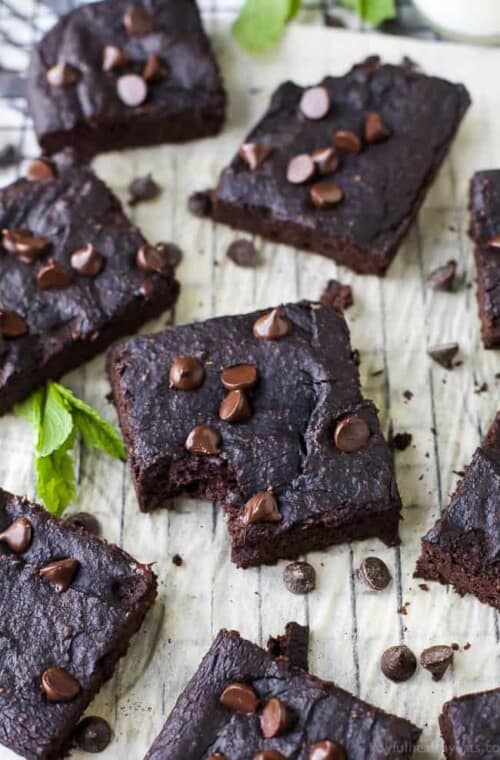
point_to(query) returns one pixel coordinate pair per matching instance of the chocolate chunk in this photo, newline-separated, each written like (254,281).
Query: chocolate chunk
(18,535)
(337,296)
(203,440)
(272,326)
(254,153)
(40,170)
(235,407)
(138,22)
(293,644)
(442,278)
(87,261)
(494,242)
(132,90)
(326,160)
(92,734)
(62,75)
(113,58)
(437,659)
(326,194)
(186,373)
(375,129)
(200,203)
(12,324)
(243,253)
(154,70)
(300,169)
(60,573)
(86,521)
(327,750)
(53,275)
(299,577)
(351,434)
(154,258)
(276,718)
(143,189)
(177,560)
(315,103)
(240,697)
(400,441)
(261,508)
(347,141)
(398,663)
(24,243)
(239,377)
(59,685)
(374,573)
(269,754)
(444,354)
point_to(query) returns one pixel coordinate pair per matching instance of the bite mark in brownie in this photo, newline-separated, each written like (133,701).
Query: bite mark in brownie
(470,727)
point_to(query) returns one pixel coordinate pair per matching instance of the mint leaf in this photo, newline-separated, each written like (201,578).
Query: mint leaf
(31,409)
(294,8)
(372,11)
(261,22)
(56,482)
(56,424)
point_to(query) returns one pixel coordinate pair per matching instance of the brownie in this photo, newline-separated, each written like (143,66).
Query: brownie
(70,279)
(293,645)
(485,232)
(124,73)
(470,727)
(264,414)
(70,604)
(369,145)
(463,547)
(232,705)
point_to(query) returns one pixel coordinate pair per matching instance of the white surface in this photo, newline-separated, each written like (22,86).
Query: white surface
(471,17)
(392,322)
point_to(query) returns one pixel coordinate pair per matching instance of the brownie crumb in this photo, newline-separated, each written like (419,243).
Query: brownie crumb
(443,277)
(423,586)
(408,395)
(200,203)
(177,560)
(243,253)
(398,663)
(400,441)
(300,577)
(467,646)
(143,189)
(376,373)
(403,610)
(480,387)
(455,646)
(337,296)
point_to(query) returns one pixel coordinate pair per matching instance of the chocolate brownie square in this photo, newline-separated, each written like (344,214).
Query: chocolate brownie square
(463,547)
(470,726)
(124,73)
(70,604)
(485,232)
(263,413)
(243,704)
(342,168)
(75,274)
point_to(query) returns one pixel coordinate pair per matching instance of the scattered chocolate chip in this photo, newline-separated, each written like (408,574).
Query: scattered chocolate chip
(9,156)
(92,734)
(243,253)
(480,387)
(315,102)
(60,573)
(59,685)
(326,194)
(326,160)
(494,242)
(239,377)
(203,440)
(337,296)
(269,754)
(143,189)
(276,718)
(18,535)
(272,326)
(87,261)
(374,573)
(398,663)
(200,203)
(299,577)
(138,22)
(40,170)
(113,58)
(240,697)
(24,243)
(327,750)
(400,441)
(442,278)
(62,75)
(157,258)
(53,275)
(408,395)
(154,70)
(235,407)
(86,521)
(186,373)
(444,354)
(12,324)
(375,129)
(254,153)
(437,659)
(132,90)
(300,169)
(347,141)
(177,560)
(351,434)
(261,508)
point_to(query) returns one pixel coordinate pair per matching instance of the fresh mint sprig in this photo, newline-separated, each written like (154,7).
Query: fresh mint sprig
(58,417)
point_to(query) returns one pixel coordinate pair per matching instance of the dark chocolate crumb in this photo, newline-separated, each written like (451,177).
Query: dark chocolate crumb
(299,577)
(423,586)
(143,189)
(443,277)
(9,156)
(455,646)
(243,253)
(376,373)
(177,560)
(408,395)
(480,387)
(337,296)
(400,441)
(403,610)
(200,203)
(467,646)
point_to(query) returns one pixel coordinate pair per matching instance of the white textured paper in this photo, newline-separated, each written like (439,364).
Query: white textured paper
(393,321)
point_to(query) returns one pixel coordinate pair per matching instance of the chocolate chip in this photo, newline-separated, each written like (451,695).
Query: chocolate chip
(240,697)
(86,521)
(375,129)
(40,170)
(254,153)
(113,58)
(398,663)
(374,573)
(203,440)
(494,242)
(18,535)
(315,102)
(60,573)
(272,326)
(138,21)
(337,296)
(143,189)
(400,441)
(132,90)
(326,194)
(442,278)
(437,659)
(53,275)
(444,354)
(326,160)
(154,258)
(300,169)
(177,560)
(269,754)
(12,324)
(24,243)
(154,70)
(200,203)
(351,434)
(62,75)
(186,373)
(235,407)
(87,261)
(261,508)
(239,377)
(327,750)
(243,253)
(346,140)
(92,734)
(59,685)
(172,254)
(276,718)
(299,577)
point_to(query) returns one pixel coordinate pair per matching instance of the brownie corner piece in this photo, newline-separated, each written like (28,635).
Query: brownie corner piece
(263,413)
(463,547)
(70,605)
(242,703)
(118,74)
(342,168)
(470,727)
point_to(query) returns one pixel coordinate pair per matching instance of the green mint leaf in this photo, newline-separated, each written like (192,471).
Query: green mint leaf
(261,22)
(31,409)
(294,8)
(373,11)
(56,482)
(56,424)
